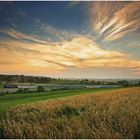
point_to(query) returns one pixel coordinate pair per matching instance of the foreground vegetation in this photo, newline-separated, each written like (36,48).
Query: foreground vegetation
(10,100)
(113,114)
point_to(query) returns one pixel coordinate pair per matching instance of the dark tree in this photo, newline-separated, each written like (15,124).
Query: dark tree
(123,83)
(40,89)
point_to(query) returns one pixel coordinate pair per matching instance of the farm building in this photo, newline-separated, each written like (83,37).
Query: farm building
(20,86)
(103,86)
(27,86)
(10,86)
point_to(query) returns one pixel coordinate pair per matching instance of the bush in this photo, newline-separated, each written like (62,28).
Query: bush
(40,89)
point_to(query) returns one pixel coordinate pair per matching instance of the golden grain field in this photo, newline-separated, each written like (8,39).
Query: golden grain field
(109,115)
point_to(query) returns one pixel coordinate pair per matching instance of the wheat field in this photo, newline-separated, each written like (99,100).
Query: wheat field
(115,114)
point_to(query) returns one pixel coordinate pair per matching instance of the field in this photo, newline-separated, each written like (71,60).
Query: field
(113,113)
(1,86)
(9,100)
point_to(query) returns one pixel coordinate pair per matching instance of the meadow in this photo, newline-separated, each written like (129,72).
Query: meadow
(14,99)
(113,113)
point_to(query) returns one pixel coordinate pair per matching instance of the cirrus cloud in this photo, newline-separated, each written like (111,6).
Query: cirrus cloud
(114,20)
(19,35)
(79,52)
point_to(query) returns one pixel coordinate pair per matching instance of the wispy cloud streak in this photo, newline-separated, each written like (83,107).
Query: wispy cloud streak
(60,34)
(19,35)
(114,20)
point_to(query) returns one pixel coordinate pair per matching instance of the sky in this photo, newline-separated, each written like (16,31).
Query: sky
(70,39)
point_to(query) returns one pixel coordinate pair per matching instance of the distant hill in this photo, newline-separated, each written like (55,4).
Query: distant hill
(35,79)
(48,80)
(24,79)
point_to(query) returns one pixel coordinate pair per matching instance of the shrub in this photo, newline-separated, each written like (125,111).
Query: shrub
(40,89)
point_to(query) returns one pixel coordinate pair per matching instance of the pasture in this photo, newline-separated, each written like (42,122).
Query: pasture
(10,100)
(100,113)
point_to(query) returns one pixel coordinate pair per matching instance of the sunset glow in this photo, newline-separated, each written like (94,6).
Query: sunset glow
(70,39)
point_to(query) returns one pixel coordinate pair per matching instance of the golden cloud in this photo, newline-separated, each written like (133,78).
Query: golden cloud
(80,52)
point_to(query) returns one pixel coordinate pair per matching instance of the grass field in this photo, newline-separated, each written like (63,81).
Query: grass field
(9,100)
(112,114)
(1,86)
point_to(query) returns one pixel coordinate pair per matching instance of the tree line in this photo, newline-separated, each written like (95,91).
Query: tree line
(40,79)
(102,82)
(24,79)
